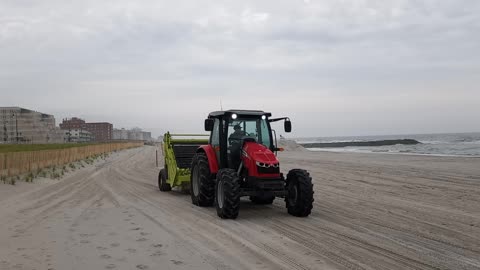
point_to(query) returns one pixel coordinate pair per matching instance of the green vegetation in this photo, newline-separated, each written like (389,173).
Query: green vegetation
(89,160)
(14,180)
(29,177)
(42,173)
(5,148)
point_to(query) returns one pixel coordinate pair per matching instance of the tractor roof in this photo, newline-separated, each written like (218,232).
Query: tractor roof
(239,112)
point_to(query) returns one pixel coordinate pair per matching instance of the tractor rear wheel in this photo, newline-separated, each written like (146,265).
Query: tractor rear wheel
(264,199)
(227,194)
(162,181)
(202,186)
(299,189)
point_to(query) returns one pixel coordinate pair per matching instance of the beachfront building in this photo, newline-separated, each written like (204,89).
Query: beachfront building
(147,136)
(20,125)
(120,134)
(100,131)
(72,123)
(78,135)
(134,134)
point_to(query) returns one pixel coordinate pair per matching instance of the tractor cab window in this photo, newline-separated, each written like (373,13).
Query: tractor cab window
(265,134)
(241,128)
(214,138)
(248,127)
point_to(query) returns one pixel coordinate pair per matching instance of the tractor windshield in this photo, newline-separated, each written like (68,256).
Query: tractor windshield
(249,127)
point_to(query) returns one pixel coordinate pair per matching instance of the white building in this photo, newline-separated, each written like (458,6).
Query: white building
(78,135)
(19,125)
(120,134)
(134,134)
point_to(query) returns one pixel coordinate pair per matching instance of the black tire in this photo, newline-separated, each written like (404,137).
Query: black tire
(227,194)
(299,189)
(202,186)
(162,181)
(265,199)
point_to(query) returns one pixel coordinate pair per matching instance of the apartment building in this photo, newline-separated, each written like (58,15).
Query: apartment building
(20,125)
(100,131)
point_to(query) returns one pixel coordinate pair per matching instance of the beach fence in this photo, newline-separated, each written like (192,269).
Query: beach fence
(15,163)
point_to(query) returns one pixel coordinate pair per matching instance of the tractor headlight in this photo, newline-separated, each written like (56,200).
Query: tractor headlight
(261,164)
(234,116)
(264,117)
(266,165)
(265,168)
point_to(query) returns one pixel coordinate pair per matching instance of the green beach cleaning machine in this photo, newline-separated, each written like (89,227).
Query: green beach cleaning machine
(178,150)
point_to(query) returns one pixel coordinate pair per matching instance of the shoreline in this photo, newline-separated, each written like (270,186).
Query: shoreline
(441,145)
(356,151)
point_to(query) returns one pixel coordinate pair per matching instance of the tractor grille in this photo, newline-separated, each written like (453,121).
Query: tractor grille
(184,154)
(269,170)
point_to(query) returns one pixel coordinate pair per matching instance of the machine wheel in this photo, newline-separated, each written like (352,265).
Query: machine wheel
(162,181)
(265,199)
(202,186)
(227,194)
(299,189)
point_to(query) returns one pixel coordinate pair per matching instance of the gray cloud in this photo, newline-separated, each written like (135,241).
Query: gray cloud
(338,68)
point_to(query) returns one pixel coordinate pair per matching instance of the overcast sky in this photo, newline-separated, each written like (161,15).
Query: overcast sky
(336,67)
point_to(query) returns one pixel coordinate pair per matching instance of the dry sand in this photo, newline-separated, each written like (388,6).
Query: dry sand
(372,211)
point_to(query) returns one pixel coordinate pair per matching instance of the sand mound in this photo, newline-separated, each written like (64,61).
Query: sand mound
(290,145)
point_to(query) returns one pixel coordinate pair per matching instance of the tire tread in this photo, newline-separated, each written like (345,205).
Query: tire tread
(304,205)
(162,181)
(206,184)
(231,204)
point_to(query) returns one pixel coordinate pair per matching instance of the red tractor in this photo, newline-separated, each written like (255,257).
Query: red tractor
(240,160)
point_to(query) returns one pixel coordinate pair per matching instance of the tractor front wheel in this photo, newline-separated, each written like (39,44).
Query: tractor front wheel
(299,197)
(227,194)
(201,183)
(162,181)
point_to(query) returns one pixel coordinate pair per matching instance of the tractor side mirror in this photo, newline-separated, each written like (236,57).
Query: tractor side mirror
(209,124)
(288,125)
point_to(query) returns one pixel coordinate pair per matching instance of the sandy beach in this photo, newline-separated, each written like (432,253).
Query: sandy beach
(371,211)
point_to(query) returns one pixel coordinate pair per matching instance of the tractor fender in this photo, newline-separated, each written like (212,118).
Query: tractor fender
(212,159)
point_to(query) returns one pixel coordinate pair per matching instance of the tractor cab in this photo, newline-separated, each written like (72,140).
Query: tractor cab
(230,130)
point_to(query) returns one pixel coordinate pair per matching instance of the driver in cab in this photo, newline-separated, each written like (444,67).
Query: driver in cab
(238,133)
(235,140)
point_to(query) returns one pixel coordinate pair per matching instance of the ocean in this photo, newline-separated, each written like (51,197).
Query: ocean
(453,144)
